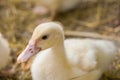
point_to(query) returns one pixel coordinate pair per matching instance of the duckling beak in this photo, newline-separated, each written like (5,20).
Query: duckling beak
(30,50)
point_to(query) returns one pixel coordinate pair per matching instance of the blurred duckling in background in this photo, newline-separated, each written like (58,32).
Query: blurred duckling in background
(4,52)
(54,6)
(71,59)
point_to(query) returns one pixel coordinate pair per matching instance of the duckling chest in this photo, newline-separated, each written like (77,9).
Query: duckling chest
(47,67)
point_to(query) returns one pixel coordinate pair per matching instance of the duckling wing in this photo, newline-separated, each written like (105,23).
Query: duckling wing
(89,54)
(81,54)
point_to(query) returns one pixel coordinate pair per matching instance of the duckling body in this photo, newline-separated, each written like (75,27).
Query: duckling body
(87,58)
(4,52)
(70,59)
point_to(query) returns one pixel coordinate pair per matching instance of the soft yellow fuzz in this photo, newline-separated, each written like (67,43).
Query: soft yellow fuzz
(71,59)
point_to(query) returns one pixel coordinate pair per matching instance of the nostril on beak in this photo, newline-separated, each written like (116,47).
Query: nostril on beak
(31,51)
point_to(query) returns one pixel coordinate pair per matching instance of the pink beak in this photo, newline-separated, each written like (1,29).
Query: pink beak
(30,50)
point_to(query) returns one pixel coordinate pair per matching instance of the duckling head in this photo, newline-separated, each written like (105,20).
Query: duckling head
(45,35)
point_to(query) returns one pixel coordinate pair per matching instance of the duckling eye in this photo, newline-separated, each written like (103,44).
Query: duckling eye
(44,37)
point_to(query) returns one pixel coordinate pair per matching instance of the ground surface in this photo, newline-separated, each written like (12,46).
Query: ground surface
(17,21)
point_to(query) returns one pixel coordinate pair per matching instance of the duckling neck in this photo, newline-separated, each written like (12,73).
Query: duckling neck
(59,51)
(59,56)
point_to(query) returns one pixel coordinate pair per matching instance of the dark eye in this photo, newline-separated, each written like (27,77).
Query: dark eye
(44,37)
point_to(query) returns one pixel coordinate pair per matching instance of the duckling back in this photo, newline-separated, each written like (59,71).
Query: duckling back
(106,53)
